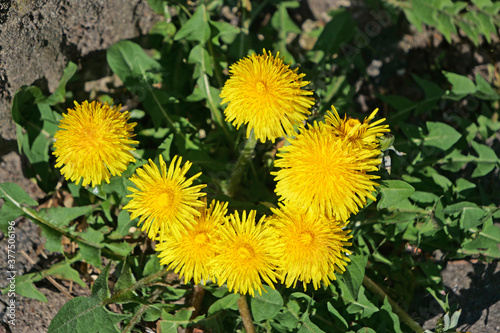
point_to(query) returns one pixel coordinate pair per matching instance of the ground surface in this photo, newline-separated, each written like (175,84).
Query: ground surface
(80,35)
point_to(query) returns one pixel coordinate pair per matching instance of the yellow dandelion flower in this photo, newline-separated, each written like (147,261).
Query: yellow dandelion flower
(362,134)
(248,252)
(93,143)
(164,200)
(265,94)
(325,171)
(314,246)
(190,254)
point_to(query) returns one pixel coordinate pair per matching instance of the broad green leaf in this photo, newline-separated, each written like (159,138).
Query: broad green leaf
(457,208)
(388,316)
(336,314)
(486,241)
(91,254)
(461,85)
(484,90)
(289,317)
(59,95)
(486,161)
(228,302)
(52,239)
(441,136)
(267,305)
(223,31)
(14,197)
(354,274)
(88,314)
(170,322)
(362,305)
(27,289)
(62,216)
(196,28)
(471,217)
(308,326)
(339,30)
(200,56)
(393,192)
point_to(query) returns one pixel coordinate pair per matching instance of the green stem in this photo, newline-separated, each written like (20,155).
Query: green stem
(245,314)
(239,168)
(405,317)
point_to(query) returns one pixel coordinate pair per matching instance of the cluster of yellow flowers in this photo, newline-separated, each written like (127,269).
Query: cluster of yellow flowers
(323,178)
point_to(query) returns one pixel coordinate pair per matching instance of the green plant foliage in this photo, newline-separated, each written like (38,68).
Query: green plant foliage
(477,19)
(437,184)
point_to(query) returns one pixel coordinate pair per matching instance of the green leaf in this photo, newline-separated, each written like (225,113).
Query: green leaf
(387,317)
(196,28)
(59,95)
(471,217)
(14,197)
(63,216)
(392,192)
(223,31)
(228,302)
(484,90)
(15,194)
(441,136)
(171,323)
(203,61)
(461,85)
(27,289)
(88,314)
(339,30)
(267,305)
(308,326)
(353,276)
(486,161)
(336,314)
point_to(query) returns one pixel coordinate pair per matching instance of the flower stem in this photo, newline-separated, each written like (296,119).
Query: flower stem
(239,168)
(245,314)
(405,317)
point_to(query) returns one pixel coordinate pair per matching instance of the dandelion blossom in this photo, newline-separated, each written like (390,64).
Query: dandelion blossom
(248,252)
(190,253)
(164,199)
(314,246)
(364,134)
(93,143)
(265,94)
(326,171)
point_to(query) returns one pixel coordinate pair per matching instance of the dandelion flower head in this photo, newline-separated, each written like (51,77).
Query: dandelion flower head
(265,94)
(363,134)
(327,171)
(248,252)
(93,143)
(190,252)
(164,199)
(314,246)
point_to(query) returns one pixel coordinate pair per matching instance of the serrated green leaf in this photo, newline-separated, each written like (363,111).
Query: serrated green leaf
(308,326)
(88,314)
(461,85)
(441,136)
(59,95)
(486,161)
(223,31)
(200,56)
(336,314)
(393,192)
(389,316)
(267,305)
(27,289)
(196,28)
(471,217)
(62,216)
(228,302)
(484,89)
(353,276)
(90,254)
(340,29)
